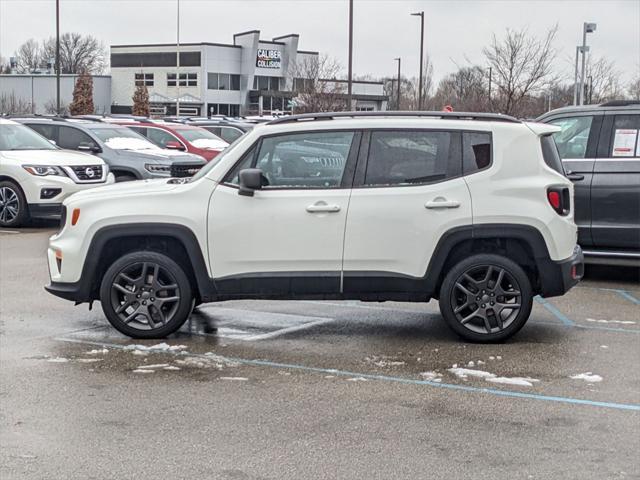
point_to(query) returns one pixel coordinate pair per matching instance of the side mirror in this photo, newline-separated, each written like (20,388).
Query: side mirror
(250,180)
(84,147)
(174,145)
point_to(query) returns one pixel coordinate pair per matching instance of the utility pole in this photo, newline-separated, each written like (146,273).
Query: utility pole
(399,83)
(421,15)
(350,82)
(490,75)
(58,57)
(178,60)
(575,78)
(586,28)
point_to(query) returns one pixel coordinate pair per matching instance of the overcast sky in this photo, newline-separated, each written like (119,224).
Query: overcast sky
(456,30)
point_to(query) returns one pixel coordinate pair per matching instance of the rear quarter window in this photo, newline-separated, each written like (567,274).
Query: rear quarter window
(476,151)
(550,153)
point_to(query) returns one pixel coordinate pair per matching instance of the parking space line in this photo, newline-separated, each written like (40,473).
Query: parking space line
(388,378)
(626,294)
(556,313)
(285,331)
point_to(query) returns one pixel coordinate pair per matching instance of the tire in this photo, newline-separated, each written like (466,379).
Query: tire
(14,211)
(153,296)
(486,298)
(124,177)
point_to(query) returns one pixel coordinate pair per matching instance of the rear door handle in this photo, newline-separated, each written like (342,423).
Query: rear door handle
(322,207)
(442,203)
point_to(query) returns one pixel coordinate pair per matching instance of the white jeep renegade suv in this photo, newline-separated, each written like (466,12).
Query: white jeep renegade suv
(36,176)
(471,209)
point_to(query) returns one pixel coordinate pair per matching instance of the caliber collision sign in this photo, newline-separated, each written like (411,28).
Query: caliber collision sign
(268,58)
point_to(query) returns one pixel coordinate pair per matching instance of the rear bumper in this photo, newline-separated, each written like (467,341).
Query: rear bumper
(557,278)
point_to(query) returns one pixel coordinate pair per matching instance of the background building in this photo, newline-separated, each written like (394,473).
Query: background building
(250,76)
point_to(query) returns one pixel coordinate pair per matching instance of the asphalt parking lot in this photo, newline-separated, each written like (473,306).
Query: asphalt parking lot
(293,390)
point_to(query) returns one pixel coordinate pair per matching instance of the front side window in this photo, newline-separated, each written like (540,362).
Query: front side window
(19,137)
(408,158)
(160,137)
(624,137)
(72,138)
(572,140)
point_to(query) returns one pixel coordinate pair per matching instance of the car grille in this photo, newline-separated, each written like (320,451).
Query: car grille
(185,170)
(88,173)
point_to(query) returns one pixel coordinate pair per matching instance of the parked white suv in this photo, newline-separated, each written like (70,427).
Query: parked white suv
(35,175)
(472,209)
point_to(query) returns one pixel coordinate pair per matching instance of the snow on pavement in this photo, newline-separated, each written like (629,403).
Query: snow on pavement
(588,377)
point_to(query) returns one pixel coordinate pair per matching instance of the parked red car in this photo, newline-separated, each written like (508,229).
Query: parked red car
(179,137)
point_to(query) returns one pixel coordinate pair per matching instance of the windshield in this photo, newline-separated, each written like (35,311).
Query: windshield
(19,137)
(122,138)
(204,170)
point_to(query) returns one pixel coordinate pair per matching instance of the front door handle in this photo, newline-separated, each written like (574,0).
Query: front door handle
(322,207)
(441,202)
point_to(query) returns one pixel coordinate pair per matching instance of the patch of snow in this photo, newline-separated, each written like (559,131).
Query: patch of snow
(492,357)
(171,367)
(388,363)
(466,372)
(58,360)
(128,143)
(521,381)
(498,357)
(99,351)
(471,364)
(209,143)
(89,360)
(140,352)
(157,365)
(356,379)
(620,322)
(238,379)
(143,370)
(455,365)
(587,377)
(329,376)
(604,346)
(431,376)
(160,347)
(480,362)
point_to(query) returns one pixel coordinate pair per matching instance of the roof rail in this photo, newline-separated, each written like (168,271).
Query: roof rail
(492,117)
(620,103)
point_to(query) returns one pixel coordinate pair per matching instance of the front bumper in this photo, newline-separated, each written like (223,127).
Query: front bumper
(557,278)
(34,187)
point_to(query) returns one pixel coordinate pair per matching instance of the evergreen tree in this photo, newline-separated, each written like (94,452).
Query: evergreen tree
(141,101)
(82,103)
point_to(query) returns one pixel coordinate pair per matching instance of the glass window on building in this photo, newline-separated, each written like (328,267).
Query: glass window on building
(144,79)
(212,81)
(186,79)
(223,81)
(235,82)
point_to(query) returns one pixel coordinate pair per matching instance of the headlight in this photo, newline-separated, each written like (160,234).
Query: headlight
(158,168)
(43,170)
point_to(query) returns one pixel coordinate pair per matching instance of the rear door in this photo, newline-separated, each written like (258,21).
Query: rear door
(577,143)
(615,190)
(407,192)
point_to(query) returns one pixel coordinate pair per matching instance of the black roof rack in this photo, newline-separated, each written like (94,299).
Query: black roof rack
(620,103)
(492,117)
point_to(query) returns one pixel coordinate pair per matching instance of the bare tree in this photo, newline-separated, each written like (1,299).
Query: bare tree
(633,90)
(4,65)
(28,56)
(12,105)
(409,89)
(78,53)
(465,90)
(317,86)
(602,81)
(521,66)
(51,108)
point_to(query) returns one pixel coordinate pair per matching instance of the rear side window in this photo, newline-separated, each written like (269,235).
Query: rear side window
(476,151)
(47,131)
(550,153)
(624,137)
(410,158)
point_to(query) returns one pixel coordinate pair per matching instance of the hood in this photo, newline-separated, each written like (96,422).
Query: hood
(55,157)
(542,128)
(158,156)
(123,189)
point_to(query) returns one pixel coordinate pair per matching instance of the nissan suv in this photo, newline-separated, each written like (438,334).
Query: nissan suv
(471,209)
(35,175)
(600,149)
(130,156)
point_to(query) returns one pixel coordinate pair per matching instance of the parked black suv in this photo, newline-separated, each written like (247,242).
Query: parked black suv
(600,148)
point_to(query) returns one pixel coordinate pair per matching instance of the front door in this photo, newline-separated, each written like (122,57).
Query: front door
(286,239)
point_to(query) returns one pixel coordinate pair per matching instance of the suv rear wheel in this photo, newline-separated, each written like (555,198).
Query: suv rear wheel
(486,298)
(146,295)
(13,206)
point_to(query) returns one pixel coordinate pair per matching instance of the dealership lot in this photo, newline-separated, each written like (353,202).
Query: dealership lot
(253,389)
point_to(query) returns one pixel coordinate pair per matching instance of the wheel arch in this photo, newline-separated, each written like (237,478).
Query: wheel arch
(522,243)
(177,241)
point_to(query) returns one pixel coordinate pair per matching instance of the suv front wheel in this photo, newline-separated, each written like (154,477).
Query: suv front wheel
(486,298)
(146,295)
(13,206)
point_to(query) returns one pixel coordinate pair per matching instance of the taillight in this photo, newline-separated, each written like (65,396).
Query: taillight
(560,199)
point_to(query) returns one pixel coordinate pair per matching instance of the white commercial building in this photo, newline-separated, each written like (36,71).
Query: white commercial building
(250,76)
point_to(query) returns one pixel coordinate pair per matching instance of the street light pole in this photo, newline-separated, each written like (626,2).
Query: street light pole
(350,80)
(489,92)
(58,57)
(586,28)
(575,78)
(178,60)
(421,15)
(398,104)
